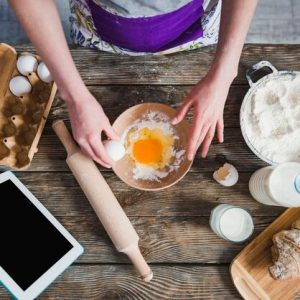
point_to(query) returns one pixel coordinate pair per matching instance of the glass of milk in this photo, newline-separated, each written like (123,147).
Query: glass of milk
(231,223)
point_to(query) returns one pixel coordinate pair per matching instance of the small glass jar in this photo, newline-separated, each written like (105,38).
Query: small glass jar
(231,223)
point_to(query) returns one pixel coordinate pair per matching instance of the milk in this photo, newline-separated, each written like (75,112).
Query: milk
(277,185)
(232,223)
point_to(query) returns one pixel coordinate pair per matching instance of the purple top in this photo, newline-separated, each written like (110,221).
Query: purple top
(149,34)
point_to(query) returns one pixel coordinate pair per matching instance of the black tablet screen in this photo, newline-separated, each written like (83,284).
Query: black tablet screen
(30,244)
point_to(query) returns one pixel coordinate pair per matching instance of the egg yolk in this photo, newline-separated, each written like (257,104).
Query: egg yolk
(147,151)
(150,147)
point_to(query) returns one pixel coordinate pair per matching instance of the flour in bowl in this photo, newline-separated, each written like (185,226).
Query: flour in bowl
(272,119)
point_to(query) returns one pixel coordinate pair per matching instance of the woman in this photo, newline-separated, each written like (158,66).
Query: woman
(135,28)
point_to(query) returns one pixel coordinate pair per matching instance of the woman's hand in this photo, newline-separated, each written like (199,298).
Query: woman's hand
(209,95)
(207,99)
(88,121)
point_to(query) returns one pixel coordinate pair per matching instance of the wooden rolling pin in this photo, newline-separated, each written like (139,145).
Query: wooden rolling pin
(103,201)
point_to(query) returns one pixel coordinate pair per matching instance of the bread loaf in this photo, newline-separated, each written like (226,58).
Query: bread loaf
(286,253)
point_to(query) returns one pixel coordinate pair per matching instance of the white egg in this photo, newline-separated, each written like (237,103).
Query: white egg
(19,85)
(114,149)
(44,73)
(27,64)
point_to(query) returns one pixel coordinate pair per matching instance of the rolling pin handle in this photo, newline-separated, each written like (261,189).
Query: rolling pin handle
(139,262)
(64,135)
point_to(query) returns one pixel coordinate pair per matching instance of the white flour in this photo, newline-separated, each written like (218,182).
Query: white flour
(152,119)
(272,120)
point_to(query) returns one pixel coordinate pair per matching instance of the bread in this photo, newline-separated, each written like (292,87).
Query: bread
(286,253)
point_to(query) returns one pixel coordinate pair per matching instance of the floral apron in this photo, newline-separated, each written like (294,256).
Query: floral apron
(192,26)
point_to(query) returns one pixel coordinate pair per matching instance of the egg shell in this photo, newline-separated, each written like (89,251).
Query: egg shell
(114,149)
(230,179)
(27,64)
(19,85)
(44,73)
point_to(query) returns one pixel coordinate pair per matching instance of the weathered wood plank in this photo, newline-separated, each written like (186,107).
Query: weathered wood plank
(91,282)
(195,195)
(169,240)
(116,99)
(100,68)
(51,155)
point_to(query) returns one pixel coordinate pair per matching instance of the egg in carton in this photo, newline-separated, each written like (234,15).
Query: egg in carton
(27,92)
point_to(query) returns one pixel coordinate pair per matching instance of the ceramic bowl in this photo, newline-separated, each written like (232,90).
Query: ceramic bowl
(124,167)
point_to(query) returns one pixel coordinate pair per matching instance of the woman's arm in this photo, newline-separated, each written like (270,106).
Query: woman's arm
(209,95)
(41,21)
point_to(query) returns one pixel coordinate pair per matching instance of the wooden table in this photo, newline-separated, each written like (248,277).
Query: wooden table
(189,261)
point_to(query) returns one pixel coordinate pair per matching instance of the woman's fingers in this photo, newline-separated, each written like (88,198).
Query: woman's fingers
(201,137)
(194,138)
(220,129)
(203,134)
(88,151)
(110,133)
(207,140)
(182,112)
(99,150)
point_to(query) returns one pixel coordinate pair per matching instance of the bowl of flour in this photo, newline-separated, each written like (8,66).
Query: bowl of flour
(270,115)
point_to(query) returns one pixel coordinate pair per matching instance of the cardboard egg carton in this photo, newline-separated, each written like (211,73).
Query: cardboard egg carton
(22,119)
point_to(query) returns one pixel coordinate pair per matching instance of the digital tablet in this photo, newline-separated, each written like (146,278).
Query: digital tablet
(35,248)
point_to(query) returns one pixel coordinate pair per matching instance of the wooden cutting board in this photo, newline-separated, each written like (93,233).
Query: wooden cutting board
(249,270)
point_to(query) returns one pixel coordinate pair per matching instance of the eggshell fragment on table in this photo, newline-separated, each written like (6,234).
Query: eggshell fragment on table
(114,149)
(227,175)
(19,85)
(27,64)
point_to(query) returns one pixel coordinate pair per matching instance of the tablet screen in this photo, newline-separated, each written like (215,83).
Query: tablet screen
(30,244)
